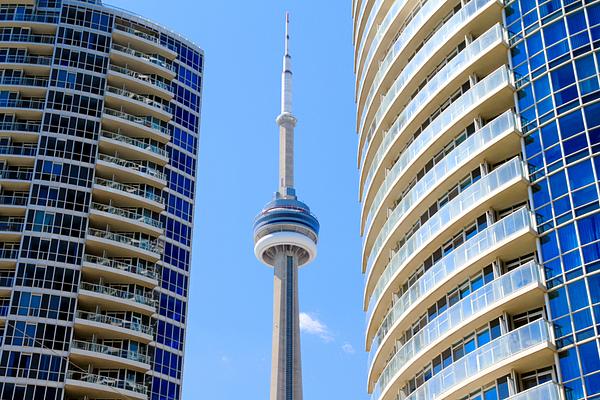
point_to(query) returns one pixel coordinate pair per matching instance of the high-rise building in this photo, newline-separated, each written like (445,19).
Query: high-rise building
(99,119)
(285,238)
(479,158)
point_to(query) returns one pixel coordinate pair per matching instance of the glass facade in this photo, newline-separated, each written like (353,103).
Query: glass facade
(479,156)
(99,124)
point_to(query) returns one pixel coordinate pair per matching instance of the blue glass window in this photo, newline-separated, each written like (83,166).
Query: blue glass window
(590,360)
(578,295)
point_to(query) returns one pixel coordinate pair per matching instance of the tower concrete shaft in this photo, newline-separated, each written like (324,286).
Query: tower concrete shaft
(286,372)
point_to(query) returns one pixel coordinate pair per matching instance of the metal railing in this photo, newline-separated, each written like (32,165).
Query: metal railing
(147,121)
(143,166)
(27,38)
(131,215)
(110,351)
(23,81)
(545,391)
(142,77)
(117,322)
(19,150)
(7,279)
(9,251)
(138,33)
(139,98)
(36,104)
(153,245)
(132,266)
(130,189)
(17,175)
(27,126)
(11,224)
(107,381)
(26,59)
(141,298)
(152,58)
(37,17)
(147,145)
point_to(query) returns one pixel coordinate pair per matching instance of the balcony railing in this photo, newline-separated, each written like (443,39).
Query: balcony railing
(131,265)
(131,215)
(27,38)
(27,126)
(7,279)
(132,189)
(37,17)
(17,175)
(146,145)
(18,150)
(545,391)
(26,59)
(117,322)
(145,167)
(472,249)
(23,81)
(465,200)
(140,298)
(488,356)
(154,58)
(153,245)
(107,381)
(9,251)
(36,104)
(500,126)
(138,33)
(148,122)
(14,200)
(480,300)
(139,98)
(142,77)
(11,224)
(111,351)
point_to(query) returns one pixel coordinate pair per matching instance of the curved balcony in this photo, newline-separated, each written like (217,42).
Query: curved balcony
(147,126)
(19,154)
(14,204)
(142,83)
(11,228)
(491,96)
(134,148)
(90,323)
(511,292)
(363,31)
(125,244)
(143,41)
(142,62)
(522,349)
(24,108)
(546,391)
(97,386)
(486,52)
(26,86)
(489,192)
(9,252)
(18,179)
(137,103)
(128,194)
(35,43)
(104,356)
(126,270)
(32,64)
(132,171)
(112,299)
(7,281)
(41,21)
(508,238)
(124,220)
(496,141)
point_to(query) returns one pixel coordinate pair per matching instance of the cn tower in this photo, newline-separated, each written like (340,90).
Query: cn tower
(285,238)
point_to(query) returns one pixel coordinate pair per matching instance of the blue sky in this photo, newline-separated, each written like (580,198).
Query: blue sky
(230,312)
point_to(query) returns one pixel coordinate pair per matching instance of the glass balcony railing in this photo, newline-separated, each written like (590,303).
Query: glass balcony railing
(36,104)
(143,166)
(127,214)
(127,265)
(132,189)
(482,243)
(9,251)
(107,381)
(148,122)
(23,81)
(152,58)
(146,145)
(11,224)
(545,391)
(477,302)
(439,38)
(27,126)
(141,77)
(14,200)
(139,98)
(26,59)
(26,38)
(138,33)
(117,322)
(18,150)
(141,298)
(17,174)
(7,279)
(498,127)
(473,97)
(110,351)
(153,245)
(488,356)
(425,95)
(468,198)
(369,25)
(37,17)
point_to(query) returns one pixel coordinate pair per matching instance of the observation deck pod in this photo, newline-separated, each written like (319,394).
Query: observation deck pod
(286,224)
